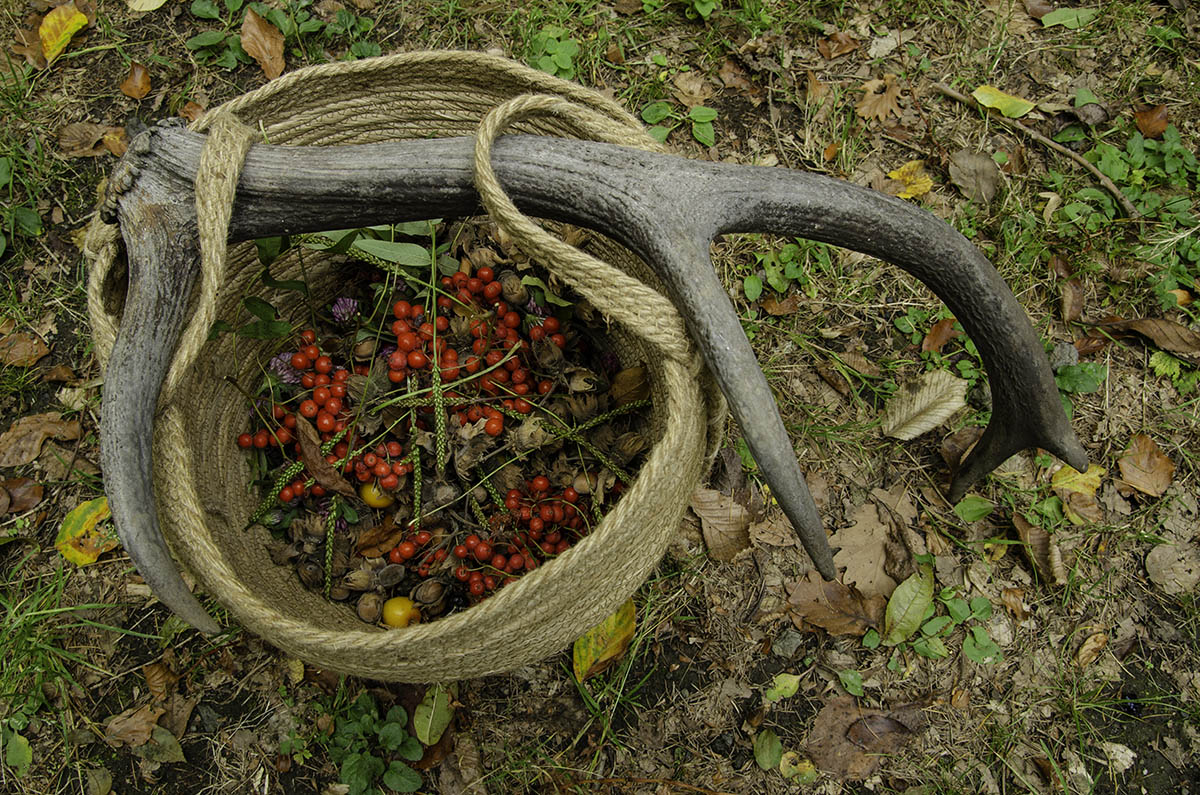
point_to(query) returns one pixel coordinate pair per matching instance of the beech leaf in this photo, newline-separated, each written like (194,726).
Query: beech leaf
(922,405)
(263,42)
(1042,551)
(603,644)
(133,727)
(975,174)
(21,349)
(907,606)
(82,539)
(1145,467)
(23,494)
(1077,490)
(1008,105)
(1152,122)
(58,27)
(838,609)
(1166,334)
(1174,568)
(724,522)
(137,83)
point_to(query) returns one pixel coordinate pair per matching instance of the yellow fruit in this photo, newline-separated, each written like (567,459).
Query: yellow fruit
(373,495)
(399,611)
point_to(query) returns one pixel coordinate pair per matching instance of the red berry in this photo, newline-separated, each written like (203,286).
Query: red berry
(323,364)
(401,309)
(300,361)
(494,426)
(476,587)
(422,537)
(320,395)
(394,555)
(499,561)
(485,274)
(492,290)
(516,561)
(309,336)
(261,438)
(389,482)
(559,340)
(407,341)
(570,495)
(461,551)
(286,494)
(245,440)
(398,360)
(462,574)
(482,551)
(309,409)
(540,483)
(417,360)
(394,448)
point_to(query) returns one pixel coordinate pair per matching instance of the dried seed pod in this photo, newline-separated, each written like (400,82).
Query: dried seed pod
(514,292)
(364,350)
(628,446)
(283,554)
(339,593)
(370,607)
(360,579)
(390,576)
(311,574)
(430,595)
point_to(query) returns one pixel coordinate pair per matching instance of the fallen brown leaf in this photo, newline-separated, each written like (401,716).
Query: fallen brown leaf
(834,607)
(942,332)
(1037,8)
(851,742)
(956,446)
(691,88)
(836,45)
(1042,551)
(132,727)
(922,404)
(21,349)
(733,76)
(976,175)
(22,493)
(861,552)
(1091,649)
(159,679)
(773,531)
(1077,490)
(375,542)
(28,44)
(191,111)
(814,91)
(1152,122)
(1174,568)
(1168,335)
(1014,600)
(322,471)
(788,306)
(263,42)
(22,442)
(613,54)
(880,99)
(59,373)
(82,139)
(137,83)
(1145,467)
(830,152)
(724,522)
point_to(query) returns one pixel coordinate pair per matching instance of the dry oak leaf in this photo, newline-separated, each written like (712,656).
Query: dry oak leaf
(836,45)
(1174,568)
(1145,467)
(880,99)
(1014,600)
(132,727)
(733,76)
(861,552)
(1043,553)
(22,442)
(923,404)
(691,88)
(788,306)
(1152,122)
(263,42)
(836,608)
(137,83)
(21,349)
(724,522)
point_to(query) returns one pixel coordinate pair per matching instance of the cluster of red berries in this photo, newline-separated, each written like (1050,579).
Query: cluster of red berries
(534,526)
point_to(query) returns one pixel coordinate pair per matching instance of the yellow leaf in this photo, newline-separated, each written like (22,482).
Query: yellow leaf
(81,537)
(57,29)
(1007,104)
(603,644)
(1077,490)
(916,181)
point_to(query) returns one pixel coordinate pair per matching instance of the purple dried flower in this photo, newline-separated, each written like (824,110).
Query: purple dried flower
(532,307)
(281,366)
(344,309)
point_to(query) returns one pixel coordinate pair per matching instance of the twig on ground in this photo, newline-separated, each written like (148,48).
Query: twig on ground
(1126,205)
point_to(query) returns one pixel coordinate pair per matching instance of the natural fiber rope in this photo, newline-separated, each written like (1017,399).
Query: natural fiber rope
(201,476)
(625,299)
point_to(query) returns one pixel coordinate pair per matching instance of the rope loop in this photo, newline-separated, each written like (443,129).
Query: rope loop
(643,310)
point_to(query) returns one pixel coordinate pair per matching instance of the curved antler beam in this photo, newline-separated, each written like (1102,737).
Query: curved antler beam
(666,209)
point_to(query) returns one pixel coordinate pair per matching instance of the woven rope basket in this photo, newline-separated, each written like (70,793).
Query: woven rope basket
(201,476)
